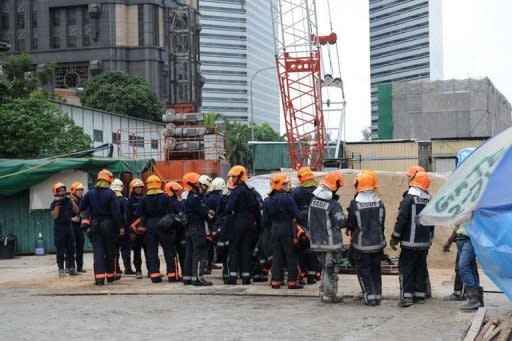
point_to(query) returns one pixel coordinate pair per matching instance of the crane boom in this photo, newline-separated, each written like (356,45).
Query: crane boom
(298,60)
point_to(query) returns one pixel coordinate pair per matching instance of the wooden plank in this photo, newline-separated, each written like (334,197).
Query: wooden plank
(506,328)
(476,324)
(495,332)
(488,325)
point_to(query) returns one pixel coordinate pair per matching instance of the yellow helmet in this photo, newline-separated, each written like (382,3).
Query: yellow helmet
(153,182)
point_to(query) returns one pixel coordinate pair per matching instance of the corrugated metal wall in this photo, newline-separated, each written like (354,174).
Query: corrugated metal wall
(270,156)
(16,219)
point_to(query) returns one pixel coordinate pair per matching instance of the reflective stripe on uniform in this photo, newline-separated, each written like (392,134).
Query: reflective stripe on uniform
(420,294)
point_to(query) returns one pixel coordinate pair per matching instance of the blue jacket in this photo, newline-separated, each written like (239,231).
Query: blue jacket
(303,197)
(242,199)
(279,206)
(131,208)
(102,203)
(65,213)
(196,210)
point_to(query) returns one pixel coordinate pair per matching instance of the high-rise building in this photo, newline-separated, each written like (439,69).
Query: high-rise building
(85,38)
(405,45)
(237,47)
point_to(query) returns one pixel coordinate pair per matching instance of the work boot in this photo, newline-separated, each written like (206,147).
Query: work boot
(156,280)
(358,297)
(100,282)
(473,300)
(72,272)
(371,303)
(62,273)
(246,281)
(129,271)
(231,281)
(311,280)
(419,300)
(327,299)
(405,302)
(295,286)
(81,270)
(187,282)
(453,297)
(481,296)
(118,270)
(201,282)
(138,275)
(117,277)
(259,279)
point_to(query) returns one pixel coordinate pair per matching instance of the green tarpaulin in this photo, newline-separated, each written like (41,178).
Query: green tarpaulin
(19,175)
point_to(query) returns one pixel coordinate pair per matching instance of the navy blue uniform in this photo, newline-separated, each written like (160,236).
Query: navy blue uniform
(243,207)
(212,201)
(63,234)
(280,211)
(124,240)
(79,238)
(153,208)
(308,261)
(136,244)
(179,240)
(105,224)
(195,237)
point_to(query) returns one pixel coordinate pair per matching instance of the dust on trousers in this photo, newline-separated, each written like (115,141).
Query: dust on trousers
(196,253)
(413,273)
(368,266)
(330,263)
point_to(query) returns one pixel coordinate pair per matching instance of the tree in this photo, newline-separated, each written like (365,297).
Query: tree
(32,127)
(265,132)
(21,80)
(121,93)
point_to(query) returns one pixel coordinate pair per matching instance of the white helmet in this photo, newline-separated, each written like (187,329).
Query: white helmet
(205,180)
(117,185)
(218,184)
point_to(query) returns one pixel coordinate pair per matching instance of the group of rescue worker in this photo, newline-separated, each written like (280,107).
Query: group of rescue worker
(295,231)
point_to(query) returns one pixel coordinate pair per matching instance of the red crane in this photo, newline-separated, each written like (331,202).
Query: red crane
(298,59)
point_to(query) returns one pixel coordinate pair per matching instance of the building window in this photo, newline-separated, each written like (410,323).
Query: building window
(71,76)
(154,144)
(141,24)
(98,135)
(4,20)
(156,26)
(20,25)
(33,20)
(116,138)
(55,28)
(72,27)
(137,141)
(86,28)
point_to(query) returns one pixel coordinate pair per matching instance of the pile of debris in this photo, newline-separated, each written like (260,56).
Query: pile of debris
(482,328)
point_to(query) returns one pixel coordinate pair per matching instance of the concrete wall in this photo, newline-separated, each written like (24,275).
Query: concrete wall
(448,109)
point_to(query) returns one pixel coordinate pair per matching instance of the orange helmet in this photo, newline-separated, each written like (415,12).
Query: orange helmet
(76,186)
(57,186)
(366,180)
(172,188)
(333,180)
(411,172)
(278,181)
(190,180)
(135,183)
(304,174)
(421,180)
(106,175)
(153,182)
(238,172)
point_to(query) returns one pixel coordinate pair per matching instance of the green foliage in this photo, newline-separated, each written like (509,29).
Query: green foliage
(211,118)
(238,136)
(121,93)
(32,127)
(21,80)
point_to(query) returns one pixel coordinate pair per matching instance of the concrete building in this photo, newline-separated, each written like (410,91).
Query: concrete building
(442,109)
(87,37)
(405,44)
(236,43)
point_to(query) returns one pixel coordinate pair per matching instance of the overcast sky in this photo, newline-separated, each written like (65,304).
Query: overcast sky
(476,43)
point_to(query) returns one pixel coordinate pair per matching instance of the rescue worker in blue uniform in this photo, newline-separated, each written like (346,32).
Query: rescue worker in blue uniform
(415,240)
(303,195)
(259,267)
(174,190)
(206,182)
(281,214)
(366,215)
(326,219)
(213,198)
(105,221)
(221,228)
(62,209)
(154,207)
(77,192)
(136,236)
(196,232)
(242,207)
(123,243)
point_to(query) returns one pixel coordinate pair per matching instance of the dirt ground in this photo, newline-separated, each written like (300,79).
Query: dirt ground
(37,305)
